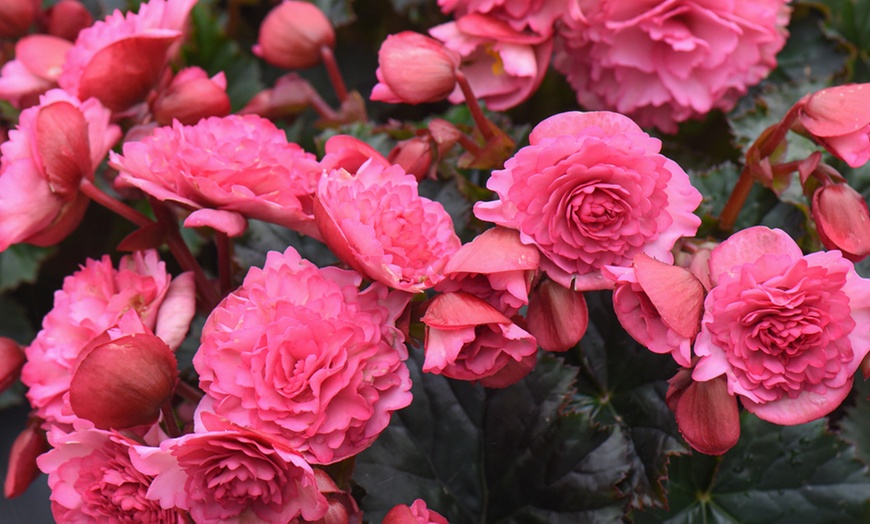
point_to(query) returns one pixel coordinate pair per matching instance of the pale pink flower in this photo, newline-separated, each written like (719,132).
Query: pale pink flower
(664,61)
(416,513)
(468,339)
(301,353)
(35,69)
(839,119)
(787,330)
(376,222)
(225,474)
(42,166)
(592,190)
(93,300)
(132,46)
(226,170)
(503,66)
(93,479)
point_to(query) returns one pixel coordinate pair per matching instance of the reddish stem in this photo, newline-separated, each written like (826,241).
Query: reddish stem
(187,261)
(169,420)
(225,262)
(476,112)
(334,74)
(735,202)
(188,392)
(113,204)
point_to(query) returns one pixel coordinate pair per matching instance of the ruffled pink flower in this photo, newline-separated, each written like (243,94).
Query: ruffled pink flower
(135,47)
(787,331)
(300,352)
(665,61)
(537,16)
(226,170)
(35,70)
(468,339)
(228,474)
(377,223)
(416,513)
(503,66)
(93,479)
(43,164)
(839,118)
(92,300)
(592,190)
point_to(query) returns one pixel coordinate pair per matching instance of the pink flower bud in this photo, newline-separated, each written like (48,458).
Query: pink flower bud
(16,17)
(192,96)
(67,18)
(839,119)
(22,469)
(414,155)
(706,413)
(290,96)
(11,360)
(557,316)
(292,34)
(842,220)
(416,513)
(414,69)
(124,382)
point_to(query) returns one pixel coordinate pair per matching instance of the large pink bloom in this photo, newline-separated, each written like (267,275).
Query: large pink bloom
(92,300)
(592,190)
(536,16)
(376,222)
(93,479)
(226,170)
(788,331)
(55,144)
(228,474)
(300,352)
(665,61)
(132,46)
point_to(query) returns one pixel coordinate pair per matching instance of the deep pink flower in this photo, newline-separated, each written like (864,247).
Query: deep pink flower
(413,69)
(416,513)
(592,190)
(788,331)
(132,46)
(55,144)
(664,61)
(468,339)
(92,300)
(839,118)
(226,170)
(93,479)
(376,222)
(300,352)
(503,66)
(223,474)
(35,70)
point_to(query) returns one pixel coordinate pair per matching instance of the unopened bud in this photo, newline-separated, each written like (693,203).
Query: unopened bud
(292,34)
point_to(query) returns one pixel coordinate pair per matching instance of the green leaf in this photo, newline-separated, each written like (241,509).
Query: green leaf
(850,20)
(855,426)
(339,12)
(809,55)
(623,387)
(775,474)
(20,264)
(511,455)
(14,323)
(262,237)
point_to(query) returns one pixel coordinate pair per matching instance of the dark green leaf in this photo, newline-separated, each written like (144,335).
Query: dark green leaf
(808,53)
(775,474)
(855,426)
(850,20)
(624,387)
(339,12)
(262,237)
(20,264)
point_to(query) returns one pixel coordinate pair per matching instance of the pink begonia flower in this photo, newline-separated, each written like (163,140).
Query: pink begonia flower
(503,66)
(414,69)
(226,170)
(223,474)
(132,46)
(839,118)
(192,96)
(292,34)
(377,223)
(55,144)
(495,267)
(787,331)
(416,513)
(301,353)
(93,300)
(93,479)
(591,190)
(468,339)
(664,61)
(659,305)
(537,16)
(35,69)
